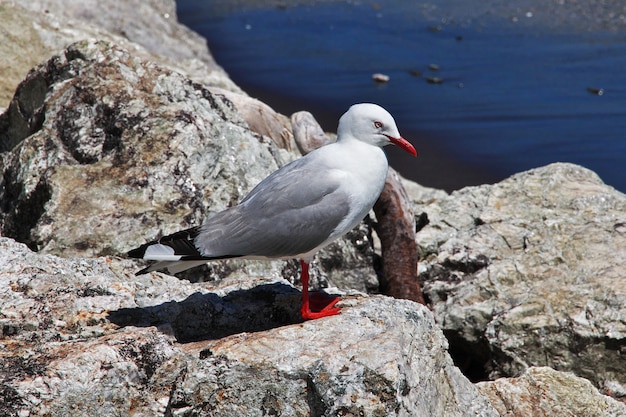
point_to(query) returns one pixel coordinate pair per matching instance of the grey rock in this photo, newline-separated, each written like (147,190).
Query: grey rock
(35,30)
(85,336)
(122,147)
(152,24)
(131,151)
(527,272)
(261,118)
(544,392)
(21,48)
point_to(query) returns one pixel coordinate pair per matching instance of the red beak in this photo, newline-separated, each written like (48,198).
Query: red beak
(404,144)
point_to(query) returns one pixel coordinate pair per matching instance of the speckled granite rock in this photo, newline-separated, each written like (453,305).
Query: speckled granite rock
(83,337)
(124,148)
(101,151)
(528,272)
(544,392)
(35,30)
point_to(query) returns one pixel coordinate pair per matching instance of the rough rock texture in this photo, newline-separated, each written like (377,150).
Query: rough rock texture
(544,392)
(104,147)
(85,336)
(261,118)
(308,133)
(32,31)
(150,23)
(130,151)
(529,272)
(123,147)
(21,48)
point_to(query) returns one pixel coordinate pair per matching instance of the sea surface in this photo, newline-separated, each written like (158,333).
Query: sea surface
(482,89)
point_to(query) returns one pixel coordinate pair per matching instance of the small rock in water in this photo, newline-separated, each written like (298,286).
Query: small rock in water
(434,80)
(596,91)
(380,78)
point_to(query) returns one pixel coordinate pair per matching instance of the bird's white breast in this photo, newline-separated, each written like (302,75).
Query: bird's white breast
(362,169)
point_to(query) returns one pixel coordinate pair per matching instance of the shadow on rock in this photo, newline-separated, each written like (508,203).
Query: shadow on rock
(203,316)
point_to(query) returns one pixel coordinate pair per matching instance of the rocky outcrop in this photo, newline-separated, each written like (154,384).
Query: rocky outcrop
(83,337)
(544,392)
(131,151)
(527,272)
(113,142)
(108,143)
(35,30)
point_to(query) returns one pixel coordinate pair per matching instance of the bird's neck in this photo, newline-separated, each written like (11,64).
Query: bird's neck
(364,161)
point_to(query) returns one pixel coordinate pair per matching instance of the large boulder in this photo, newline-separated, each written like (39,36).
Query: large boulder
(83,337)
(35,30)
(122,147)
(528,272)
(101,151)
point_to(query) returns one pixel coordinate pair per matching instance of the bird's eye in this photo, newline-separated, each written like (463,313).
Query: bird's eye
(378,124)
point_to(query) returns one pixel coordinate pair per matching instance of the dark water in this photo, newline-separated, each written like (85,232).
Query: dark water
(519,89)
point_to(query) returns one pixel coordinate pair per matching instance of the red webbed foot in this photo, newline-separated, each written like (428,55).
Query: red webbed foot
(321,305)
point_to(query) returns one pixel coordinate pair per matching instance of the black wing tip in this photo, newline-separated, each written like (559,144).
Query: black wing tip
(186,235)
(137,252)
(143,271)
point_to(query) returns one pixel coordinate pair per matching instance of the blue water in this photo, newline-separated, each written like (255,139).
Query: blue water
(513,96)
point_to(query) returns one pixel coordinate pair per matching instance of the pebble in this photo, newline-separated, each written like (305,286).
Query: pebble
(434,80)
(380,78)
(596,91)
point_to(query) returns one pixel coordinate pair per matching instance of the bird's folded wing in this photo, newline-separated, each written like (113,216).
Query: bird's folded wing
(280,218)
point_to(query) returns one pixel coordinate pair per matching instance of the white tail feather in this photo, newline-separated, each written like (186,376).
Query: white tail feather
(159,252)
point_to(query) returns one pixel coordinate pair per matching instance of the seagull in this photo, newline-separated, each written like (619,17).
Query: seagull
(297,210)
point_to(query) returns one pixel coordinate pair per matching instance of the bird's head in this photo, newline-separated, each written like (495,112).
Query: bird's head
(372,124)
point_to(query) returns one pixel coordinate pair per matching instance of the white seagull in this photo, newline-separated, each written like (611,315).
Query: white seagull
(298,209)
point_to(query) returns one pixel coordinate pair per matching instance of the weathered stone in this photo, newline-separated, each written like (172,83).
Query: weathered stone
(35,30)
(544,392)
(308,133)
(261,118)
(131,151)
(152,24)
(122,147)
(85,336)
(21,48)
(527,272)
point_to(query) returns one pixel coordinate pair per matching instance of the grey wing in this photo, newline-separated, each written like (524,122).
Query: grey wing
(291,212)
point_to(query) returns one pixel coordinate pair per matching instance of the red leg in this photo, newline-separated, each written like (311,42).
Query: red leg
(325,306)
